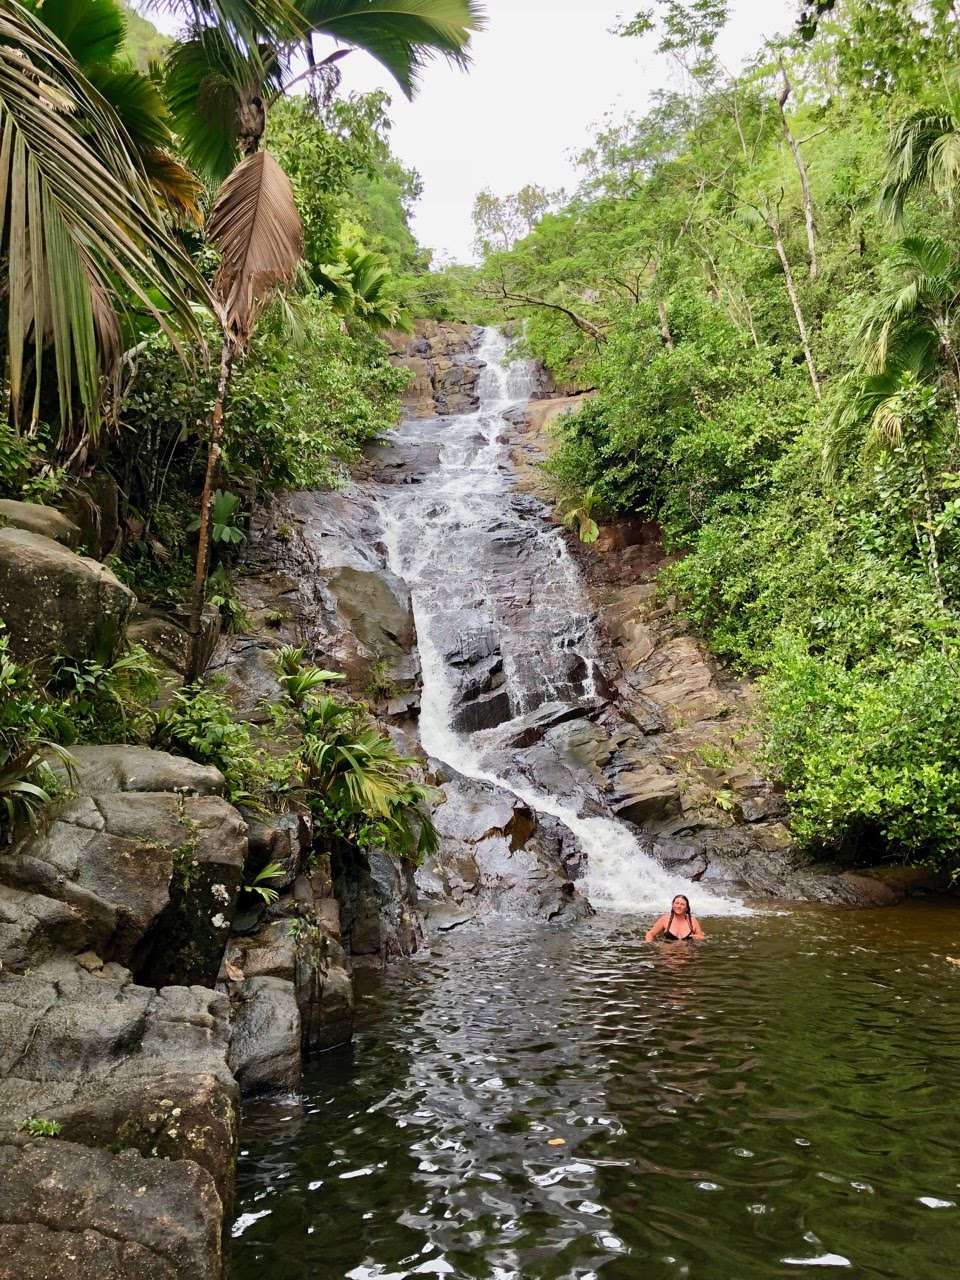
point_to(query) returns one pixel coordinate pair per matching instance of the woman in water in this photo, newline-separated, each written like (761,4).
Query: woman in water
(681,925)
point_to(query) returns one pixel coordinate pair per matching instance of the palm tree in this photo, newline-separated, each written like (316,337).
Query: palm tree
(93,32)
(912,323)
(923,151)
(220,84)
(82,235)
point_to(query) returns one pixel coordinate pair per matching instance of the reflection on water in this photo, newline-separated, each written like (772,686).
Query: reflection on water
(780,1097)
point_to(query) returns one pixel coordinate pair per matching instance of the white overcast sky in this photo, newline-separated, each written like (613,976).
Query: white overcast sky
(544,73)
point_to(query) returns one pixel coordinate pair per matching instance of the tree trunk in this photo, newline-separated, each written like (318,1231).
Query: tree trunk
(664,324)
(932,550)
(802,170)
(215,448)
(791,290)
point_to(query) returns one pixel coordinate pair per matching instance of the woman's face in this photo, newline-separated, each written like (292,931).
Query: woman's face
(680,905)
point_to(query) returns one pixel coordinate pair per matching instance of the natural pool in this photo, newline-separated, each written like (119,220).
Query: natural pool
(779,1101)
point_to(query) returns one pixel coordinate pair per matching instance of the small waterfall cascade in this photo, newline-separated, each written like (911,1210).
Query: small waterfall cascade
(484,567)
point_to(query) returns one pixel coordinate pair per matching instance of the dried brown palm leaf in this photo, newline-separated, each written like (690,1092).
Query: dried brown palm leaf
(257,229)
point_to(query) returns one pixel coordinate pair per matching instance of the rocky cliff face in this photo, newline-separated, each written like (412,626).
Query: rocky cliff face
(675,750)
(442,364)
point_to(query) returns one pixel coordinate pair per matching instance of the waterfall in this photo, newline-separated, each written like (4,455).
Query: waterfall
(477,554)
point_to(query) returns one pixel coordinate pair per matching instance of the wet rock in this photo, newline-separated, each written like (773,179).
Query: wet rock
(265,1049)
(166,636)
(496,859)
(68,1212)
(642,795)
(46,521)
(533,727)
(283,839)
(376,605)
(63,603)
(442,372)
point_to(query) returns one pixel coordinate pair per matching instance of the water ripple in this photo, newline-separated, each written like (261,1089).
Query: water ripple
(576,1105)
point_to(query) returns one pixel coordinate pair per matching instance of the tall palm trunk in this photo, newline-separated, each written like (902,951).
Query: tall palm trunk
(215,449)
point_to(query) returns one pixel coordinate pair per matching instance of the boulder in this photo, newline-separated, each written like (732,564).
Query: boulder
(166,636)
(265,1049)
(94,504)
(376,605)
(46,521)
(120,1065)
(142,867)
(61,603)
(100,770)
(68,1212)
(497,858)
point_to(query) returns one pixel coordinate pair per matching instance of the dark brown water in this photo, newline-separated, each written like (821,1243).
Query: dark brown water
(780,1101)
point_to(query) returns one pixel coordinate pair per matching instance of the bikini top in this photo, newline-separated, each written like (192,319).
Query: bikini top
(677,937)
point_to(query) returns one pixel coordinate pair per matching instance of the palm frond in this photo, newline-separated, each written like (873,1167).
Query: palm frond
(257,229)
(403,35)
(924,151)
(79,224)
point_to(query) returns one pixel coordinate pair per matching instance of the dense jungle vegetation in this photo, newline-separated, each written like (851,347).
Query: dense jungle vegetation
(760,281)
(201,239)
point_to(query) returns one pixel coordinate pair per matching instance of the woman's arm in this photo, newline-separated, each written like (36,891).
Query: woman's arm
(657,927)
(696,933)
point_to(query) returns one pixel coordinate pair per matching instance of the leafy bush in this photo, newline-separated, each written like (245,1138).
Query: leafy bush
(30,730)
(869,755)
(200,722)
(100,702)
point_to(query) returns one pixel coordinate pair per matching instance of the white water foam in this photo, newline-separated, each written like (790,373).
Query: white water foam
(435,540)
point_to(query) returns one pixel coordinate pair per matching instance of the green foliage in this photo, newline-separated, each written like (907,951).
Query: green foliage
(222,593)
(101,702)
(38,1128)
(258,885)
(869,754)
(200,722)
(297,681)
(225,509)
(31,727)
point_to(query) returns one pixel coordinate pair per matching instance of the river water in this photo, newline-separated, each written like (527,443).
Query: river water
(778,1101)
(562,1104)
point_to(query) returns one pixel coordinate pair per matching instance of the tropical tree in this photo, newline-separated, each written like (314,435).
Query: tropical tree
(220,85)
(913,320)
(82,235)
(924,153)
(94,32)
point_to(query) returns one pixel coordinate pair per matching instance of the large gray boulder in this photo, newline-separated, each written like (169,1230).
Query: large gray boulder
(497,858)
(265,1049)
(143,867)
(57,602)
(46,521)
(68,1212)
(118,1064)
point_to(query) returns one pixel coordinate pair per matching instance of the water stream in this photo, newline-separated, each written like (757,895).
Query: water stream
(469,546)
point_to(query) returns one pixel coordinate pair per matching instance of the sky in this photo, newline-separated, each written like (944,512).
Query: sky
(544,73)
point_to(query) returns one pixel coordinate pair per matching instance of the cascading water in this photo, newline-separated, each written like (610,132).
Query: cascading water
(471,548)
